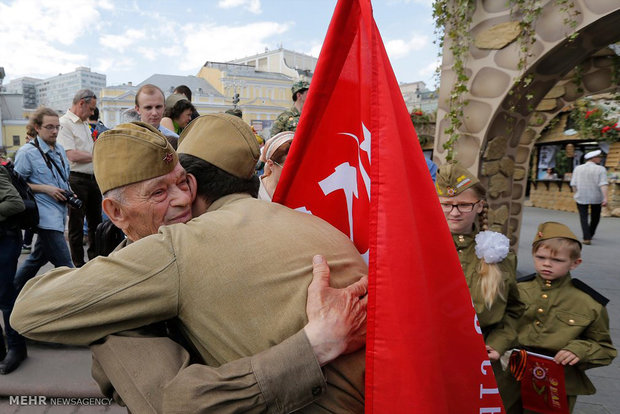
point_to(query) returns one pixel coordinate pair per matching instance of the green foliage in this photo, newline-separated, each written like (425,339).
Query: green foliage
(422,123)
(562,163)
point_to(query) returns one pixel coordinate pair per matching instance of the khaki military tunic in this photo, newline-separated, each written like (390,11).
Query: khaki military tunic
(286,121)
(154,374)
(498,323)
(560,316)
(234,297)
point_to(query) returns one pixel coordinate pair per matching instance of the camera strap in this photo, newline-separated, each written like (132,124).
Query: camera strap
(49,161)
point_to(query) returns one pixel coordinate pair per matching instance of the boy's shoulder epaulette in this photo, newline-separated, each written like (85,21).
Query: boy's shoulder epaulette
(593,293)
(526,278)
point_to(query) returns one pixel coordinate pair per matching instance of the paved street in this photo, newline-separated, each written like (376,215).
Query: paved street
(55,371)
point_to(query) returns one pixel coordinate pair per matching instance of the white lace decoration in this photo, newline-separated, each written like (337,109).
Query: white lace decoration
(492,246)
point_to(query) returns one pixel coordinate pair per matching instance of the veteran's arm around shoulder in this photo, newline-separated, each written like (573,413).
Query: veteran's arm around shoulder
(133,287)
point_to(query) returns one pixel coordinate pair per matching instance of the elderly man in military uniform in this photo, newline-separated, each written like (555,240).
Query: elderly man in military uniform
(228,308)
(288,120)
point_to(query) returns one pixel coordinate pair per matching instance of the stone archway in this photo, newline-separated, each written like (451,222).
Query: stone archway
(496,142)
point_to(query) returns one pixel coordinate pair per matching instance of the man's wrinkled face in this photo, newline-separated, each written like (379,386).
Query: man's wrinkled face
(156,202)
(151,108)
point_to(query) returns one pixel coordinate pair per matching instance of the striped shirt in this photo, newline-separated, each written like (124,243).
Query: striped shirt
(588,178)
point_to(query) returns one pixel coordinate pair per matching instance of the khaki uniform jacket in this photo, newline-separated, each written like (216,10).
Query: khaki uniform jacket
(560,316)
(152,374)
(233,297)
(499,324)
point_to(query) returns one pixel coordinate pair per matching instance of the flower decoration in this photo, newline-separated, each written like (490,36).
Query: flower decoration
(491,246)
(596,121)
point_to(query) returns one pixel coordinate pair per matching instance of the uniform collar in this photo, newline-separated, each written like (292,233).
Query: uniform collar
(464,240)
(553,284)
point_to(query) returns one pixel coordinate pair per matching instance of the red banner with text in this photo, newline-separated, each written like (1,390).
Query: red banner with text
(356,162)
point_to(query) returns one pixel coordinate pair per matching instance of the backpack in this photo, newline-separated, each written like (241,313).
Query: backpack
(29,218)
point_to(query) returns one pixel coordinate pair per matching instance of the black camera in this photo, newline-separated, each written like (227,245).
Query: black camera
(72,200)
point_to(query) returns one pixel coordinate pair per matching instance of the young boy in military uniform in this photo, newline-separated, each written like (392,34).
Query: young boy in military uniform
(564,318)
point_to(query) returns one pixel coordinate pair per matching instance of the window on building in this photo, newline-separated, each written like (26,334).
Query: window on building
(16,140)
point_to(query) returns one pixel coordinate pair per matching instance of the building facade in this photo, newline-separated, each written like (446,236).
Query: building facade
(57,92)
(27,87)
(292,64)
(13,120)
(417,96)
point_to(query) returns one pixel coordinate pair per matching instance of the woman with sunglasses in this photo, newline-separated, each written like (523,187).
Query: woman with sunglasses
(487,261)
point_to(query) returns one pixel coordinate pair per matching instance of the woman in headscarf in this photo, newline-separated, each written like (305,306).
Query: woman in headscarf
(273,155)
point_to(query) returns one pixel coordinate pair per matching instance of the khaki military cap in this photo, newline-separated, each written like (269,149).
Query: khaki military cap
(223,140)
(553,230)
(452,180)
(131,153)
(173,99)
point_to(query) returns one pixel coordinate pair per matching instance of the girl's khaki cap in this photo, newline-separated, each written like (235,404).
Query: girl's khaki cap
(131,153)
(223,140)
(452,180)
(553,230)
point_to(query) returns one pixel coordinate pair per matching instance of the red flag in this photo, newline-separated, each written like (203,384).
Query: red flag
(356,162)
(542,382)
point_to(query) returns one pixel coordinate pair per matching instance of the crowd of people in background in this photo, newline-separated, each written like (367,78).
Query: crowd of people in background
(68,171)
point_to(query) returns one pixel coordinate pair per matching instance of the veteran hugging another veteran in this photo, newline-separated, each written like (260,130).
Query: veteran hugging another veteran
(231,297)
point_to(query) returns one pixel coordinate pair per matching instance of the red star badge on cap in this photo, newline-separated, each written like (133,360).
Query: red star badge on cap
(168,158)
(540,234)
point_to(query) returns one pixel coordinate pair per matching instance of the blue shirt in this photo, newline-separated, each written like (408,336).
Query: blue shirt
(432,168)
(30,164)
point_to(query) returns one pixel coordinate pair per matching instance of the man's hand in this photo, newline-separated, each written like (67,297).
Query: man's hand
(564,357)
(492,353)
(57,193)
(336,317)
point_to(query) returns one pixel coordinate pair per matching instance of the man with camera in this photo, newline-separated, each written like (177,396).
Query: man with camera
(44,165)
(76,139)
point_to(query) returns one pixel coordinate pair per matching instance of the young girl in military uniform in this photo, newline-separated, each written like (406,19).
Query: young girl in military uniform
(488,264)
(564,318)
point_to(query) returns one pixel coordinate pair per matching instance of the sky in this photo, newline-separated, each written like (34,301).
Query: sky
(130,40)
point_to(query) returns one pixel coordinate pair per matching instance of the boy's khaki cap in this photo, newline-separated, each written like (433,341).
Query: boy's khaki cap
(553,230)
(223,140)
(131,153)
(452,180)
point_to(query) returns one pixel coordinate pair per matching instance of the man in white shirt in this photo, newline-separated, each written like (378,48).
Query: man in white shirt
(76,139)
(589,182)
(150,106)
